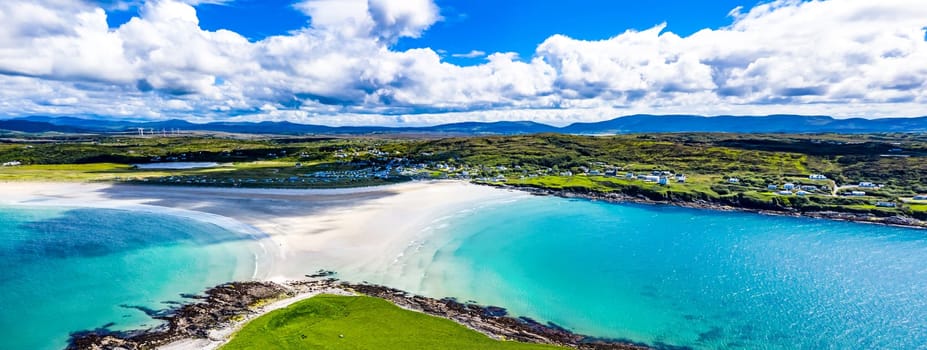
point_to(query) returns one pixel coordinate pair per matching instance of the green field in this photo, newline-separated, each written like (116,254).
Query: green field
(550,161)
(359,322)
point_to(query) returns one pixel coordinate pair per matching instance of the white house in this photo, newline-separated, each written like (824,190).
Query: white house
(651,178)
(680,178)
(629,175)
(733,180)
(13,163)
(885,204)
(789,186)
(772,187)
(802,193)
(858,193)
(817,177)
(867,185)
(921,197)
(785,193)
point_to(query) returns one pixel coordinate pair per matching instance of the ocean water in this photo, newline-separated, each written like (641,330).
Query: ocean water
(63,270)
(675,277)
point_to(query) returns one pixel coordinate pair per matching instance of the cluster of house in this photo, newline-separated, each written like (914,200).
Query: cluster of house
(789,188)
(657,176)
(13,163)
(382,173)
(341,153)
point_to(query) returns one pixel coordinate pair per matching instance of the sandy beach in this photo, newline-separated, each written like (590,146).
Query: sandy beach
(360,232)
(301,231)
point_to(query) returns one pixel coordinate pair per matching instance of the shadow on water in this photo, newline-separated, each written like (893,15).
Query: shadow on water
(218,200)
(80,233)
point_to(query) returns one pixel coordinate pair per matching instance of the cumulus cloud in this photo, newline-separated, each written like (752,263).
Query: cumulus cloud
(838,57)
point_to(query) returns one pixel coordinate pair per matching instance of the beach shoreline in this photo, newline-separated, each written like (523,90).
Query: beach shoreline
(353,229)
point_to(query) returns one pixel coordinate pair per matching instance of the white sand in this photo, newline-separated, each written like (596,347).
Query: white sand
(362,230)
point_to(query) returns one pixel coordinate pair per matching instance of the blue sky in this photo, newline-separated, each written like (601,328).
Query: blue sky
(520,25)
(402,62)
(482,25)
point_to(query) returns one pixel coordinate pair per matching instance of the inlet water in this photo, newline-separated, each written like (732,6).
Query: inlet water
(674,277)
(64,270)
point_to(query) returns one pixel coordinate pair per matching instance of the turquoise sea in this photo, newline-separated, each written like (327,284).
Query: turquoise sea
(675,277)
(63,270)
(664,276)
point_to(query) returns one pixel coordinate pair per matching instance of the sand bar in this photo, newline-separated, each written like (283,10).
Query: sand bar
(300,231)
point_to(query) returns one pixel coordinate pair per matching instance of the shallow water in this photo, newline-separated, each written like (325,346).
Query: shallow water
(177,165)
(681,277)
(63,270)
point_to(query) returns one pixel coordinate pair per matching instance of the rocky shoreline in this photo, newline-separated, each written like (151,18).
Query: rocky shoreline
(230,304)
(899,221)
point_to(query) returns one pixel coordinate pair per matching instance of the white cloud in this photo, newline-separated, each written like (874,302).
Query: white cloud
(839,57)
(406,18)
(471,54)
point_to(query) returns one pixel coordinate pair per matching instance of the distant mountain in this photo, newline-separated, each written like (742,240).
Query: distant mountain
(628,124)
(31,126)
(747,124)
(522,127)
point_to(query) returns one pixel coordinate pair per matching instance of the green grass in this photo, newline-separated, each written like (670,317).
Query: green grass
(365,323)
(259,170)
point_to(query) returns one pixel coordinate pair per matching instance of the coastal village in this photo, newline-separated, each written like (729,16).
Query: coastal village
(372,166)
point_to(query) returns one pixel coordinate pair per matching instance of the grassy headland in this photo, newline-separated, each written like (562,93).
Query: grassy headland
(360,322)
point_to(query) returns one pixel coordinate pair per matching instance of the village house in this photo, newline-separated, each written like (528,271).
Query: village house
(885,204)
(921,197)
(772,187)
(680,178)
(785,193)
(817,177)
(789,186)
(857,193)
(733,180)
(663,181)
